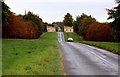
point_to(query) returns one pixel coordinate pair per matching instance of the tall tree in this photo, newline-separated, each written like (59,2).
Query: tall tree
(68,20)
(115,25)
(5,10)
(82,22)
(35,19)
(76,27)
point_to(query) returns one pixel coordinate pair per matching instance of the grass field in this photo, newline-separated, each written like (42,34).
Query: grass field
(0,57)
(75,37)
(111,46)
(32,57)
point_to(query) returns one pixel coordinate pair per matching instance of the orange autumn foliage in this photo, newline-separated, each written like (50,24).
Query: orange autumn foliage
(18,28)
(98,32)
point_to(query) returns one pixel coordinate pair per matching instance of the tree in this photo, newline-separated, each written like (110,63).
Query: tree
(117,1)
(5,10)
(19,28)
(115,25)
(75,27)
(44,27)
(68,20)
(35,19)
(98,32)
(82,22)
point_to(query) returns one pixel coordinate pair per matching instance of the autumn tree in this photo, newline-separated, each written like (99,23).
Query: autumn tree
(35,19)
(20,26)
(82,22)
(68,20)
(115,25)
(98,32)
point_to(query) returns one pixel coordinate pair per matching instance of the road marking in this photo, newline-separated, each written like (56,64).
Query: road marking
(101,57)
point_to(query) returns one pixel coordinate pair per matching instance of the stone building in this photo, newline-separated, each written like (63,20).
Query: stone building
(50,28)
(68,29)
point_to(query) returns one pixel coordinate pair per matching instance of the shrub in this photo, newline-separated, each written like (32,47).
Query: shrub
(98,32)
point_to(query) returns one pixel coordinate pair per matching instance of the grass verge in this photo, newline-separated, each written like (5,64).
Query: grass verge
(75,37)
(32,57)
(111,46)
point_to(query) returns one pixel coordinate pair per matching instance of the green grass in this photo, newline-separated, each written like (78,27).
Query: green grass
(75,37)
(0,57)
(32,57)
(111,46)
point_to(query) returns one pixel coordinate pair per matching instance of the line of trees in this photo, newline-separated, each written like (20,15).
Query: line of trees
(28,26)
(31,26)
(89,28)
(92,30)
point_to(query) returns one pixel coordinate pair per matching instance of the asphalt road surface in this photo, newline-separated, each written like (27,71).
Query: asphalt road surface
(81,59)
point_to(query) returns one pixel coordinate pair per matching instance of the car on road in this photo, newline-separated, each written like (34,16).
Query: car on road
(70,39)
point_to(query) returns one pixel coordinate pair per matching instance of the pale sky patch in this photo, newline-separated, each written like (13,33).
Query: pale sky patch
(54,10)
(102,20)
(89,1)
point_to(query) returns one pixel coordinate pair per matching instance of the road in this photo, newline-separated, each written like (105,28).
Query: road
(81,59)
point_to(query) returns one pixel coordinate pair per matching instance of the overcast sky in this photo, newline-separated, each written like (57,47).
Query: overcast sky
(54,10)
